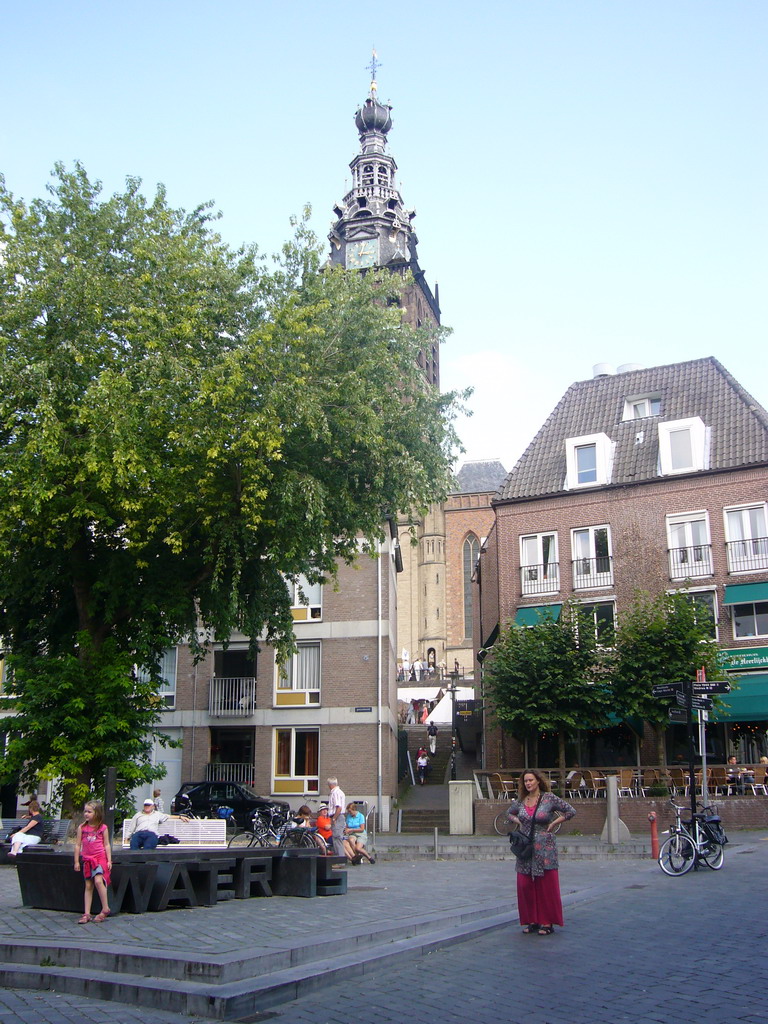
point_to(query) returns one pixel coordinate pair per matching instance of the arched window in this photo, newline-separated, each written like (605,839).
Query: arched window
(471,554)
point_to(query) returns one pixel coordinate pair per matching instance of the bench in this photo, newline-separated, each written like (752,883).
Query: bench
(194,834)
(55,831)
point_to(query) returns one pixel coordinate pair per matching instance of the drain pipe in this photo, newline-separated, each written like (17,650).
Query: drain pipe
(379,632)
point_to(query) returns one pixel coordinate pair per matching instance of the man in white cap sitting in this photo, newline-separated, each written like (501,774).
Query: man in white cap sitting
(145,826)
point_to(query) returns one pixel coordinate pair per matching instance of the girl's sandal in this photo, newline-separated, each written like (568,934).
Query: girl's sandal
(530,929)
(85,919)
(102,916)
(546,929)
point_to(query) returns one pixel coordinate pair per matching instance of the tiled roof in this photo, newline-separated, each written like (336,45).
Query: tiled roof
(703,387)
(477,477)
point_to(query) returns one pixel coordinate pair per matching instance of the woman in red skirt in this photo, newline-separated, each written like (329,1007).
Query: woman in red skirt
(538,882)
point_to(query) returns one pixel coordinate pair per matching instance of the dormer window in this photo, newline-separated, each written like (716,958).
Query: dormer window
(641,407)
(683,446)
(588,461)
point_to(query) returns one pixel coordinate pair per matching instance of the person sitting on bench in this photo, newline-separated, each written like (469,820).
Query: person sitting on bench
(145,826)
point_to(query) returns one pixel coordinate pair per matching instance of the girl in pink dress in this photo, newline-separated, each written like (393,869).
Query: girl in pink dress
(92,846)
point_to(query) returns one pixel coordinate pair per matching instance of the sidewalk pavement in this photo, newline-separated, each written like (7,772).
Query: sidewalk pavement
(635,940)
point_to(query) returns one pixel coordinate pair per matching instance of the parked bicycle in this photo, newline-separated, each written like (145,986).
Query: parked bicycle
(272,827)
(700,839)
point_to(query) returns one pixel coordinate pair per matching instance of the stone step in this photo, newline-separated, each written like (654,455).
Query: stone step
(117,976)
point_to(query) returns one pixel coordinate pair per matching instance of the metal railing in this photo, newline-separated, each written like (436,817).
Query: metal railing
(689,563)
(747,555)
(592,572)
(232,697)
(231,773)
(540,579)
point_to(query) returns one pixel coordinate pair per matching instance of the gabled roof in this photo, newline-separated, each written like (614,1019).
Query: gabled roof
(738,425)
(481,476)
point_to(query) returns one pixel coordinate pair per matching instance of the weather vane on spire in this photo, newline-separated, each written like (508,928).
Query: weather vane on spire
(373,68)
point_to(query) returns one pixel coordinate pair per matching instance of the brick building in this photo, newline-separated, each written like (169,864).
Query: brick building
(646,479)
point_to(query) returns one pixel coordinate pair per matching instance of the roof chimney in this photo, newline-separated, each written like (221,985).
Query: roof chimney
(603,370)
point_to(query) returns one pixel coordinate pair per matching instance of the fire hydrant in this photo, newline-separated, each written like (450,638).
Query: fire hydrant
(654,836)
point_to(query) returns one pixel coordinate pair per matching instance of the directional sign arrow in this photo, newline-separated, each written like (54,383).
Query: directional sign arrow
(716,686)
(666,689)
(702,704)
(678,715)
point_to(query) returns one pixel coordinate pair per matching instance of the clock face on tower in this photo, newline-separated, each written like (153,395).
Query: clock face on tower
(362,254)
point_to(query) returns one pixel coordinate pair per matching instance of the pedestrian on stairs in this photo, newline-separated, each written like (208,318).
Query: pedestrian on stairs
(432,734)
(422,766)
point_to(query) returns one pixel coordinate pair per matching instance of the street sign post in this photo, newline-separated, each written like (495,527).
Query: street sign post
(679,715)
(701,703)
(682,699)
(666,689)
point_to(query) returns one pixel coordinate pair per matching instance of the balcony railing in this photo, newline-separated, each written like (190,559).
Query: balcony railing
(245,773)
(747,555)
(592,572)
(688,563)
(232,697)
(540,579)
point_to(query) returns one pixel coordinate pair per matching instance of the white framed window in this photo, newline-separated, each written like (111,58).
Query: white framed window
(306,600)
(750,619)
(683,446)
(746,535)
(705,608)
(689,546)
(588,461)
(602,616)
(296,760)
(592,560)
(166,690)
(539,565)
(298,678)
(642,406)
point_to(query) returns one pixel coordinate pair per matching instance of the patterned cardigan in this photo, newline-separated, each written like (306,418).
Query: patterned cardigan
(544,847)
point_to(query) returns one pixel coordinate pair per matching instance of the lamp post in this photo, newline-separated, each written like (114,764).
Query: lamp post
(454,677)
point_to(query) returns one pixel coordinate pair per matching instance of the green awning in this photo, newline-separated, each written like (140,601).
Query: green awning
(536,613)
(745,593)
(747,704)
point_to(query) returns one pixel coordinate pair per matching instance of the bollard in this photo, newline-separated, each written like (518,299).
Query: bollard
(654,836)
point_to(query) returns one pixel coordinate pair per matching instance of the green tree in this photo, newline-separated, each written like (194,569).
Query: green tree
(661,639)
(182,428)
(548,677)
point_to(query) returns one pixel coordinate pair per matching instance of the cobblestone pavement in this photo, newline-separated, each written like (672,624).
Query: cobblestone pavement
(638,948)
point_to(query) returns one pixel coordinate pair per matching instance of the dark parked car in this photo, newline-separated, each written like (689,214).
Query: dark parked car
(204,798)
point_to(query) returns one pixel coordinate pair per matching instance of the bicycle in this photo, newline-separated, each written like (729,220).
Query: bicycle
(700,839)
(271,827)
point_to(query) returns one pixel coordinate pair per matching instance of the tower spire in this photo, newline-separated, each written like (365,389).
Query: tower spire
(373,67)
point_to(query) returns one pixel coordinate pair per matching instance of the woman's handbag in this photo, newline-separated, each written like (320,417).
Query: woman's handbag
(522,845)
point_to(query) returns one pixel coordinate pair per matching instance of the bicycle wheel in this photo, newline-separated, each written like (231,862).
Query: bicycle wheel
(298,838)
(502,824)
(241,840)
(677,855)
(713,855)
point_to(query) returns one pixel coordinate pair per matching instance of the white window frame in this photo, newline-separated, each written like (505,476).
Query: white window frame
(692,592)
(603,460)
(306,600)
(746,553)
(699,440)
(166,691)
(539,577)
(293,683)
(641,407)
(746,636)
(592,579)
(592,605)
(294,783)
(697,558)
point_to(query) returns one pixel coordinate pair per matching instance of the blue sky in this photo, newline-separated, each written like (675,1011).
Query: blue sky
(589,177)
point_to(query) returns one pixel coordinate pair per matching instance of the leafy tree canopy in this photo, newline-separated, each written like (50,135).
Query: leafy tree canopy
(548,676)
(183,426)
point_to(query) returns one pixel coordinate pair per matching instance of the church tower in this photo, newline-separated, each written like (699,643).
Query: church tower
(373,229)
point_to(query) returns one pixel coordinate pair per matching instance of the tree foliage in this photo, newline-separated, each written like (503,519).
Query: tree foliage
(660,639)
(182,428)
(548,677)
